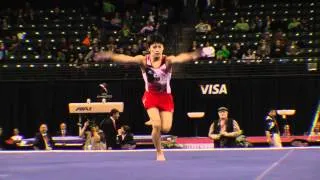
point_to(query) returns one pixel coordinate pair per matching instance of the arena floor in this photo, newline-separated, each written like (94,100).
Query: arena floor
(247,164)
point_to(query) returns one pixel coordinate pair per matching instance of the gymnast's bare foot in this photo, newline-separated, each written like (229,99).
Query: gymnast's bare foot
(148,123)
(160,156)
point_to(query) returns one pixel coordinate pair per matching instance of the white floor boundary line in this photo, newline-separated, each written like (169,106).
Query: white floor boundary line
(166,150)
(275,164)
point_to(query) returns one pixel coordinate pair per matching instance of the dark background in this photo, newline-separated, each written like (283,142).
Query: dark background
(27,104)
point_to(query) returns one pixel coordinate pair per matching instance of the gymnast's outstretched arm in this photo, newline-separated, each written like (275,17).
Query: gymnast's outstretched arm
(121,58)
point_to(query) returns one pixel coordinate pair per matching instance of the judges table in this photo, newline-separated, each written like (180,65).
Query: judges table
(76,142)
(65,142)
(93,108)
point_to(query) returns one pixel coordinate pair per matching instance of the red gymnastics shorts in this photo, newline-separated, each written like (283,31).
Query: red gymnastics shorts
(162,101)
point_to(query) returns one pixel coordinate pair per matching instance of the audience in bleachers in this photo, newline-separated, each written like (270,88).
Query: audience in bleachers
(264,28)
(49,32)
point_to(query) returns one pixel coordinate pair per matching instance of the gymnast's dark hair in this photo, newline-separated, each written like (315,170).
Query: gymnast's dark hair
(155,38)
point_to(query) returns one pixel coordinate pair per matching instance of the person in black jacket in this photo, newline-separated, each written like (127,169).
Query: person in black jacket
(43,141)
(109,127)
(272,129)
(63,130)
(125,138)
(225,130)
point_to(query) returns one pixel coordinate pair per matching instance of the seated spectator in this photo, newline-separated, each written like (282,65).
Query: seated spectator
(164,15)
(234,4)
(242,26)
(128,19)
(63,130)
(248,56)
(4,24)
(145,48)
(92,137)
(263,50)
(225,130)
(120,50)
(219,27)
(294,24)
(14,45)
(90,55)
(278,35)
(148,28)
(116,21)
(111,44)
(223,53)
(277,49)
(79,59)
(63,45)
(211,51)
(61,57)
(16,137)
(151,17)
(55,16)
(286,130)
(43,141)
(14,141)
(101,134)
(203,27)
(258,24)
(125,138)
(293,49)
(159,28)
(108,8)
(194,46)
(135,50)
(236,51)
(267,24)
(1,139)
(20,17)
(125,30)
(3,51)
(306,25)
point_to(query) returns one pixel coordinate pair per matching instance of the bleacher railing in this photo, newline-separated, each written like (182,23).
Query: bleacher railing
(203,68)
